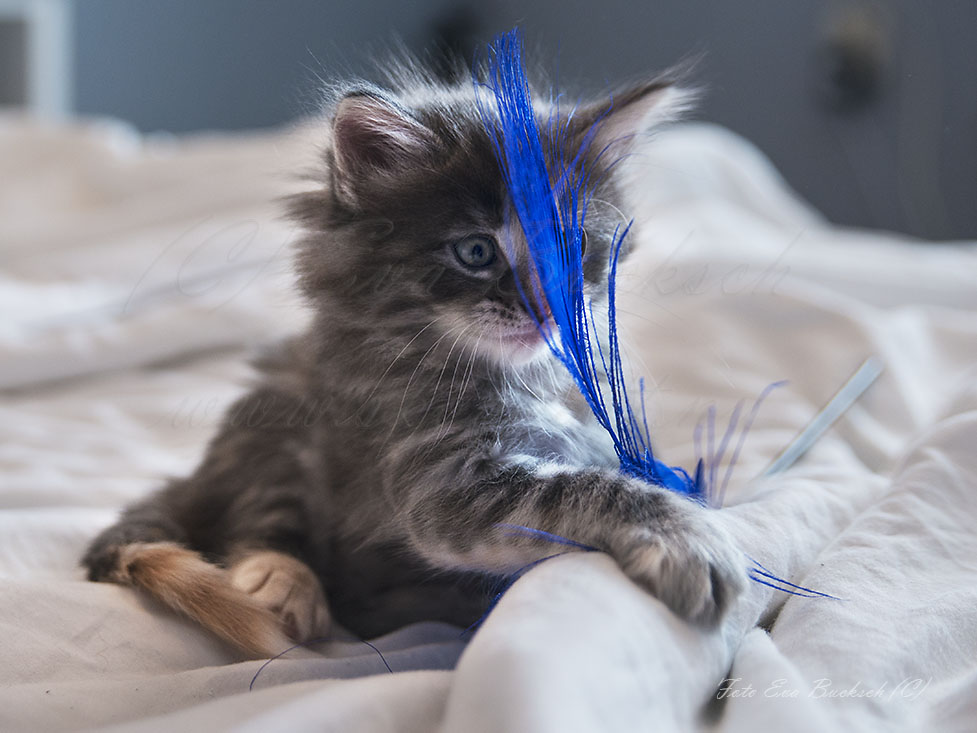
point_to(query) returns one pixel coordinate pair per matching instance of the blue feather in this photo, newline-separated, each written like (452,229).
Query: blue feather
(551,204)
(552,217)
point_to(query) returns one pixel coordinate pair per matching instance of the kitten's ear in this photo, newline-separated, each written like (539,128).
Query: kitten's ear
(619,121)
(372,136)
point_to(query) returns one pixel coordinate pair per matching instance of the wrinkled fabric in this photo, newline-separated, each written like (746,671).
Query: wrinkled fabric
(139,272)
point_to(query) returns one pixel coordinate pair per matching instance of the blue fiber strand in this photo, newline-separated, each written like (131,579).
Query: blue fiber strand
(548,536)
(806,594)
(724,443)
(513,577)
(309,643)
(760,570)
(510,580)
(800,589)
(721,496)
(282,654)
(379,654)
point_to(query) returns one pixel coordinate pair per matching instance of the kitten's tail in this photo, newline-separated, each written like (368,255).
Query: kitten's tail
(185,582)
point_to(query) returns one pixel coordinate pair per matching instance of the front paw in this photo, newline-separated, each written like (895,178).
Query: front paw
(691,564)
(102,558)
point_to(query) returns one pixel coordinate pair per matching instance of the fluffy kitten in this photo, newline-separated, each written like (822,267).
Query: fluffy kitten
(366,475)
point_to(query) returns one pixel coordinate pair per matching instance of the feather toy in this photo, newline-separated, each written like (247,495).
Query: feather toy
(551,205)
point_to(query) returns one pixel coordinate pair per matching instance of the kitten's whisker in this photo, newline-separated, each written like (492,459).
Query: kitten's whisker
(437,386)
(396,359)
(517,375)
(465,382)
(451,384)
(410,381)
(603,308)
(442,432)
(447,361)
(624,219)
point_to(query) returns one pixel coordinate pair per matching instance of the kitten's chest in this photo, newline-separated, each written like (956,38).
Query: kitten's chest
(564,430)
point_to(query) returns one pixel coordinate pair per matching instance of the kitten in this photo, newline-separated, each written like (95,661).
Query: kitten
(366,476)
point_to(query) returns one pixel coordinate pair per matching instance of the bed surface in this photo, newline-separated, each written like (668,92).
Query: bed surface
(138,274)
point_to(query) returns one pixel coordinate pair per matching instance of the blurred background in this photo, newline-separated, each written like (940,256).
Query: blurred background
(868,109)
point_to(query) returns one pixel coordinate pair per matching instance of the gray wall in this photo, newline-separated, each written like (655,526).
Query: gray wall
(13,54)
(182,65)
(905,159)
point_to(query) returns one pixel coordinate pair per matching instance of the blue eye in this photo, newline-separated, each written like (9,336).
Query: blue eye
(476,251)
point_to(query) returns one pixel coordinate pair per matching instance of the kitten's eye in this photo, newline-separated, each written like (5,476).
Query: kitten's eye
(476,251)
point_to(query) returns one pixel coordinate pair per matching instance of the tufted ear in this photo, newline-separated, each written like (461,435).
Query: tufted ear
(627,115)
(373,137)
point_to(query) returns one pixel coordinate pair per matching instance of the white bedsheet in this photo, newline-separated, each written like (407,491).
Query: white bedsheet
(137,273)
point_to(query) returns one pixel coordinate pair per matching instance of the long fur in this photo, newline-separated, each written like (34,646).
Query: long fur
(387,446)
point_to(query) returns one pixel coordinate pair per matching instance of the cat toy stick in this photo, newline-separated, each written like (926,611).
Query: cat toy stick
(843,399)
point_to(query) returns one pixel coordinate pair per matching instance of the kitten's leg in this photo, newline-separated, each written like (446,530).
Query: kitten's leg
(668,544)
(251,491)
(262,603)
(285,586)
(149,521)
(182,580)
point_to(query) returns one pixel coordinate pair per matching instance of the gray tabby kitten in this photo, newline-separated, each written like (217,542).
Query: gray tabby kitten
(366,476)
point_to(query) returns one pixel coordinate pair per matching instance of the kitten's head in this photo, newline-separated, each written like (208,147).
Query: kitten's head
(412,234)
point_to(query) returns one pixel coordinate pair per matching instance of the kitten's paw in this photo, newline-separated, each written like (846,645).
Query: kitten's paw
(102,558)
(691,565)
(288,588)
